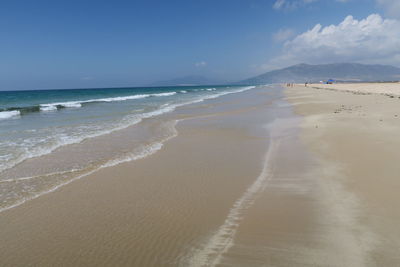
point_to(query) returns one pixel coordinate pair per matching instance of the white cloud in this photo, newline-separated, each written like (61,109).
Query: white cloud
(283,35)
(293,4)
(391,6)
(200,64)
(370,40)
(286,4)
(279,4)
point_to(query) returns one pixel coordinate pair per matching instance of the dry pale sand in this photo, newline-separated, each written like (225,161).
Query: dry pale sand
(355,138)
(389,89)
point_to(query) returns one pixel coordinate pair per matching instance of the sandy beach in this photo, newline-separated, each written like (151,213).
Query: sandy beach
(200,133)
(352,129)
(268,177)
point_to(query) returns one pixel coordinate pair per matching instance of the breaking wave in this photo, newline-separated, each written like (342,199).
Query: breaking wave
(15,111)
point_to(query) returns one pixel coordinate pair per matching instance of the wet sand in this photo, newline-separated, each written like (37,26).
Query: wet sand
(180,206)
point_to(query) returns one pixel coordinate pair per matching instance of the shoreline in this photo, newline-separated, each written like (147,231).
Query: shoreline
(64,162)
(160,205)
(268,176)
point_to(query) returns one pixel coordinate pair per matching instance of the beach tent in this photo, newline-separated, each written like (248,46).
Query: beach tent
(330,81)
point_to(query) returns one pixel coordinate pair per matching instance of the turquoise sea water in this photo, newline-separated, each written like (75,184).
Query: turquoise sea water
(48,124)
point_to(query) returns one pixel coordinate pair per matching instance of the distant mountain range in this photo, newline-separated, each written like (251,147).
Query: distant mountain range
(187,81)
(315,73)
(350,72)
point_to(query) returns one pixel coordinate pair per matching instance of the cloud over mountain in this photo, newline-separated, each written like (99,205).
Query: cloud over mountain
(369,40)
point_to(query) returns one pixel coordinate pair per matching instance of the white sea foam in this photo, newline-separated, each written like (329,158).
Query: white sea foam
(48,107)
(183,91)
(9,114)
(53,106)
(127,121)
(120,98)
(228,92)
(63,139)
(72,105)
(141,153)
(78,104)
(164,94)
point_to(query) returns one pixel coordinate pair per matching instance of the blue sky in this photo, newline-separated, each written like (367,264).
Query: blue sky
(82,44)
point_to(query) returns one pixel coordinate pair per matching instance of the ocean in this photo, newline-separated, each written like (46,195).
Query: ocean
(49,138)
